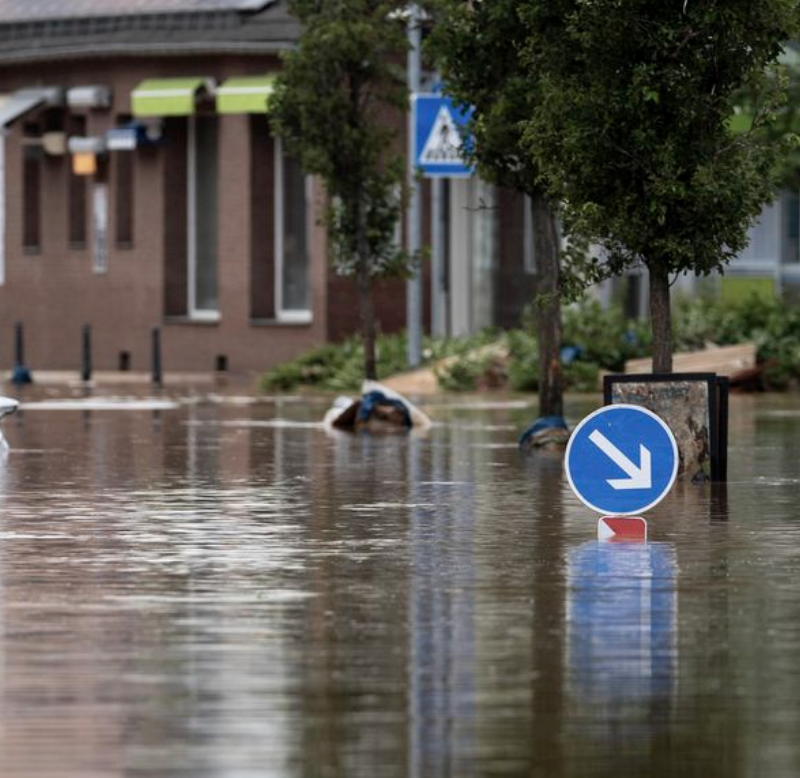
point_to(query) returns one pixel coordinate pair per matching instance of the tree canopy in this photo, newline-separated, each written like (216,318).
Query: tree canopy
(633,132)
(479,49)
(332,105)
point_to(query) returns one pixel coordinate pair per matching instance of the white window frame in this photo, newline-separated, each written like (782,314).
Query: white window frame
(195,313)
(293,316)
(528,244)
(100,228)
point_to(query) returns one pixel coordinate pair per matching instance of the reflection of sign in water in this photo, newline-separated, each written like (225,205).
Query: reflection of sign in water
(621,622)
(439,139)
(621,459)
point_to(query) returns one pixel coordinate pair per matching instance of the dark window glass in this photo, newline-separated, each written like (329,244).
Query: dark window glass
(77,194)
(31,197)
(206,296)
(175,221)
(295,257)
(262,220)
(124,196)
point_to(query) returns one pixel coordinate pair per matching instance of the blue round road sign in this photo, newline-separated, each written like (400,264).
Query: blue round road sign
(621,459)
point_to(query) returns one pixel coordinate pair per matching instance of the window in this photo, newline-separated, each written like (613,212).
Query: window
(124,188)
(291,271)
(100,216)
(528,243)
(176,295)
(77,193)
(31,189)
(279,272)
(190,218)
(262,220)
(202,217)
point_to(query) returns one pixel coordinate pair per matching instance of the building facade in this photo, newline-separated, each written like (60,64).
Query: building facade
(142,190)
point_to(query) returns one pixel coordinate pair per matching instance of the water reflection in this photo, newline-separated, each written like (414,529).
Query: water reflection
(222,589)
(443,648)
(622,646)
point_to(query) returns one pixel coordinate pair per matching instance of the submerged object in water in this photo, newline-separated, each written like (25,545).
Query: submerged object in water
(546,431)
(7,405)
(379,409)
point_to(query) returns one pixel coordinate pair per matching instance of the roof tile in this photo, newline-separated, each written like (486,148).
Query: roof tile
(43,10)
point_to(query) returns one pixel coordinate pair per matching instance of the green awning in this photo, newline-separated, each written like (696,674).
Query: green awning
(167,96)
(740,122)
(245,94)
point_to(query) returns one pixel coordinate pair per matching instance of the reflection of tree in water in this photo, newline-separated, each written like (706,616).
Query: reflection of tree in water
(549,628)
(355,647)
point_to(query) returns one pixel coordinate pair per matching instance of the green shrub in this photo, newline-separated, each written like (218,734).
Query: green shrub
(523,367)
(603,339)
(461,375)
(604,336)
(582,376)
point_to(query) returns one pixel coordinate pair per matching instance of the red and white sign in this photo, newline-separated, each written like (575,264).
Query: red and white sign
(622,528)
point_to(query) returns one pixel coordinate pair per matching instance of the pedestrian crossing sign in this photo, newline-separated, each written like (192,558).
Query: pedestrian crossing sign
(440,140)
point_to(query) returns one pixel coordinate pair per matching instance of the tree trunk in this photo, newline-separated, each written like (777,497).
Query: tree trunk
(366,307)
(548,311)
(660,318)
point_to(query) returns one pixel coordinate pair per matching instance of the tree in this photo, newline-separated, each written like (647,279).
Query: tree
(633,130)
(333,105)
(478,48)
(756,113)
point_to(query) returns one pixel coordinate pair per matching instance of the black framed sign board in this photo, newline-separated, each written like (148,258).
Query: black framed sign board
(694,405)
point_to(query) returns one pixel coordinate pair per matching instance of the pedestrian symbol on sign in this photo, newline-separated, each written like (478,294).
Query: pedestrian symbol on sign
(442,142)
(443,145)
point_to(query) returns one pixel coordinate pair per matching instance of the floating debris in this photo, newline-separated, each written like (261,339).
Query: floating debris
(549,432)
(379,409)
(7,405)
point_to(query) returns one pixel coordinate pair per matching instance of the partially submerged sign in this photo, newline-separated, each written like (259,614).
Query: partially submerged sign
(694,405)
(621,460)
(616,528)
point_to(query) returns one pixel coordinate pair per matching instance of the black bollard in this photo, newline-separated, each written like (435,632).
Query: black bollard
(20,375)
(86,359)
(157,377)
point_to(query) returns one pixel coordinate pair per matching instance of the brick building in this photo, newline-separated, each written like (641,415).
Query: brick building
(141,188)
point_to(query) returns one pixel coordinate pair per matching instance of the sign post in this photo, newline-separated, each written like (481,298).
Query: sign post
(414,214)
(621,460)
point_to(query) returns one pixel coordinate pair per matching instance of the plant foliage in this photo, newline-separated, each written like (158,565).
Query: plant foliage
(331,105)
(336,105)
(633,129)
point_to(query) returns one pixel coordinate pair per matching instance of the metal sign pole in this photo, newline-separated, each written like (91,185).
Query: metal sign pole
(437,257)
(414,213)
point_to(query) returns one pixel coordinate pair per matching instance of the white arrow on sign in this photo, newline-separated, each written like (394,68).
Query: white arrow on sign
(638,477)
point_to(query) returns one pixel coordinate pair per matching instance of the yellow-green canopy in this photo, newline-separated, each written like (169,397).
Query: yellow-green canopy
(245,94)
(740,122)
(167,96)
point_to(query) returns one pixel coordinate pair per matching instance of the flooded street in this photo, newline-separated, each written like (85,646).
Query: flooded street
(210,586)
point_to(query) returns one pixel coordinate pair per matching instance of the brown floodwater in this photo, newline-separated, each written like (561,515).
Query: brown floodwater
(215,586)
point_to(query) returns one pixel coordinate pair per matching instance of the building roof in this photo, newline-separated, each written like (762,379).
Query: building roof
(41,10)
(36,30)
